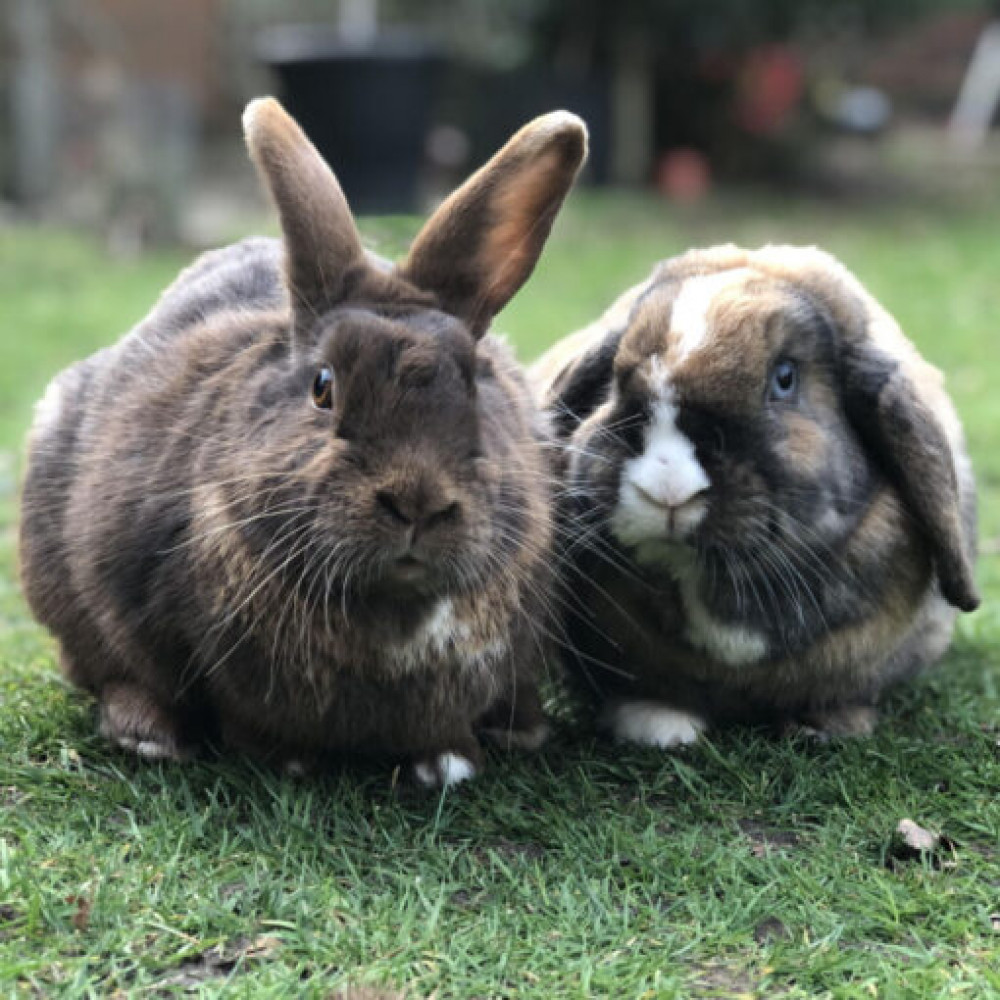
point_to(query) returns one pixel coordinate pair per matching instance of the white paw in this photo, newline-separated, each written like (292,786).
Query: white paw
(150,749)
(444,770)
(519,739)
(653,724)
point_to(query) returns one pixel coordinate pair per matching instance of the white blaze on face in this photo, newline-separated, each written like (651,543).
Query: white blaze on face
(659,494)
(660,504)
(668,470)
(659,488)
(689,315)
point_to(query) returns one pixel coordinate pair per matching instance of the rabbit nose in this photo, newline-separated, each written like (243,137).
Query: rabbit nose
(672,499)
(416,508)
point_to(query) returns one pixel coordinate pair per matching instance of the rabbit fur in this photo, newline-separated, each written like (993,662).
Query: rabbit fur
(768,511)
(303,507)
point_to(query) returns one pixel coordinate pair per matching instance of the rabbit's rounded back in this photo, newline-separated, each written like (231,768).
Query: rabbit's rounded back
(302,504)
(774,508)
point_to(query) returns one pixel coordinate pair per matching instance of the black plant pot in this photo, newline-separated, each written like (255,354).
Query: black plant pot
(368,109)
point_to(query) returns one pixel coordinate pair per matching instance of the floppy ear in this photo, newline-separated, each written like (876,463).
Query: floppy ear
(481,245)
(323,252)
(891,416)
(582,385)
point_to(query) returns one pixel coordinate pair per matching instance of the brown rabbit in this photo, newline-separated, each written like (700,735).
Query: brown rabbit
(303,506)
(769,508)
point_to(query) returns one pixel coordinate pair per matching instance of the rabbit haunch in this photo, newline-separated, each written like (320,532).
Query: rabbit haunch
(304,506)
(774,511)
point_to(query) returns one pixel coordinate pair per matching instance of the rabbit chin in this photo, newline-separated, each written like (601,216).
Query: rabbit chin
(420,581)
(642,531)
(413,581)
(731,642)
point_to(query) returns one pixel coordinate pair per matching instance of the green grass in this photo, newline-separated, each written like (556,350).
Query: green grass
(747,866)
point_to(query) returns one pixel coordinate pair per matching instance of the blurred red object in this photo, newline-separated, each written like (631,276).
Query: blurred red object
(683,175)
(769,89)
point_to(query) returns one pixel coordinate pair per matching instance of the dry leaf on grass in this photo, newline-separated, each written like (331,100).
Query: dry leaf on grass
(912,842)
(916,837)
(81,915)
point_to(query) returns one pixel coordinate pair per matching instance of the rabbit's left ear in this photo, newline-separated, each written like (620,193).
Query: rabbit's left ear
(899,426)
(324,258)
(481,245)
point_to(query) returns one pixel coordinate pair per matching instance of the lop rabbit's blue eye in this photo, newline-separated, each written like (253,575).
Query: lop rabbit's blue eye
(784,381)
(322,389)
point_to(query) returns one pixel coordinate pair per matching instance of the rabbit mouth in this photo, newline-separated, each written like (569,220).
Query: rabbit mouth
(408,567)
(412,574)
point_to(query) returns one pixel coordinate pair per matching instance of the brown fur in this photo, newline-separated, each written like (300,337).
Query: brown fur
(517,219)
(838,523)
(222,559)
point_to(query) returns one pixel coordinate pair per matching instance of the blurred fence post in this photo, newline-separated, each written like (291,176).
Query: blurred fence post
(980,94)
(632,108)
(34,95)
(358,21)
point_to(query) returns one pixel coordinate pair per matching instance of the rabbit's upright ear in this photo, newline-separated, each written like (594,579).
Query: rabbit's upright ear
(481,245)
(898,424)
(323,252)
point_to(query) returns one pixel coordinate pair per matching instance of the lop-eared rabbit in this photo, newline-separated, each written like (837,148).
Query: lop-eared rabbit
(304,507)
(768,512)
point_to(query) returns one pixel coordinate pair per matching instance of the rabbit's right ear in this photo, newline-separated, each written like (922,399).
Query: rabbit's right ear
(323,251)
(898,424)
(481,245)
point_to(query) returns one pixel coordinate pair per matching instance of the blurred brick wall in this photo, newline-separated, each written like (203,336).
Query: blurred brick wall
(171,41)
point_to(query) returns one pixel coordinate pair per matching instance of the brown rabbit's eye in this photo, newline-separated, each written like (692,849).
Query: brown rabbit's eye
(322,389)
(784,380)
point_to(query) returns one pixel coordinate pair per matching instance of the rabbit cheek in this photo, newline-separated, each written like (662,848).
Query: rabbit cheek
(803,448)
(594,469)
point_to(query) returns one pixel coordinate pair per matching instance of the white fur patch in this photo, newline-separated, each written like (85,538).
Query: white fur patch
(444,636)
(653,724)
(446,769)
(443,629)
(150,749)
(659,488)
(48,410)
(154,750)
(735,645)
(689,316)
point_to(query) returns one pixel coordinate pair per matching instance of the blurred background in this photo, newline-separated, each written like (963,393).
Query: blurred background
(122,116)
(866,126)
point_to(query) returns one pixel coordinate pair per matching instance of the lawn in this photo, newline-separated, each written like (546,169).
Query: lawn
(746,866)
